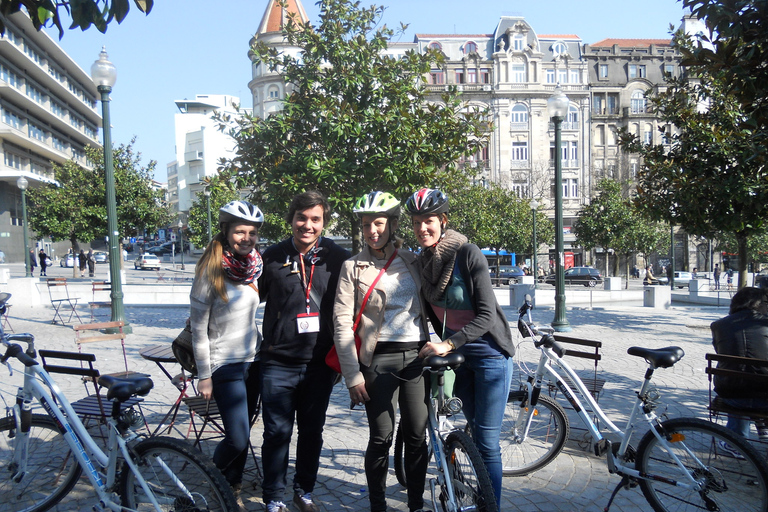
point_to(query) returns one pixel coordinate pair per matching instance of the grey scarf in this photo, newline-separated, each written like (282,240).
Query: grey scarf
(437,266)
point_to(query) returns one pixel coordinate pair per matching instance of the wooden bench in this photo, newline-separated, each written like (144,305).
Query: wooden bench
(99,286)
(716,404)
(572,345)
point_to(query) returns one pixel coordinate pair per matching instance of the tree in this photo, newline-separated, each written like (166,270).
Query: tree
(84,13)
(355,120)
(74,208)
(612,221)
(222,191)
(710,177)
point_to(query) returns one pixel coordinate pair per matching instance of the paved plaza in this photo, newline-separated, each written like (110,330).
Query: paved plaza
(576,480)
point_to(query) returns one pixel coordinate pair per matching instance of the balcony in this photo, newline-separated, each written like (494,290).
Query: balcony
(191,156)
(518,127)
(519,164)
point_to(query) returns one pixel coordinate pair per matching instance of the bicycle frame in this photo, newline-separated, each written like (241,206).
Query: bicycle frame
(436,431)
(82,444)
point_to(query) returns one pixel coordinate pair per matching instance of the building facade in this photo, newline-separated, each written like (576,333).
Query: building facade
(48,114)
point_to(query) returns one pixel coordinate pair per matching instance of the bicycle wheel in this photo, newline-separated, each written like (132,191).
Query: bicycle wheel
(52,469)
(161,460)
(545,440)
(733,475)
(469,476)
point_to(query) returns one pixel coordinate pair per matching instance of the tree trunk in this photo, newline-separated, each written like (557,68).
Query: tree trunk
(357,243)
(742,241)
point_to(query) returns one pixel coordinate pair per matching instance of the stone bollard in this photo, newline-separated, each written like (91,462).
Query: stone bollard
(659,297)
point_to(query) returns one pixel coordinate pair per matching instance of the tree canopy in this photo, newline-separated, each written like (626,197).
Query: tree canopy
(222,191)
(74,208)
(83,13)
(354,119)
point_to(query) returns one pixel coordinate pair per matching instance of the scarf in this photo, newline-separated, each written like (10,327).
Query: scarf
(241,269)
(437,266)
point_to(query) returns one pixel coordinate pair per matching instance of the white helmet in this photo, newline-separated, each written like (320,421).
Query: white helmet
(240,211)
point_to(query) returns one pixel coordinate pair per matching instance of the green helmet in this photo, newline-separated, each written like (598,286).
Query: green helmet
(377,203)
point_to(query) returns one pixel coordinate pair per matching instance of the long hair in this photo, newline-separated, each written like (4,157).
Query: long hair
(748,298)
(210,266)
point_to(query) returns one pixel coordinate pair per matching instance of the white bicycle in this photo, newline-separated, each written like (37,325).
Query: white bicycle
(43,455)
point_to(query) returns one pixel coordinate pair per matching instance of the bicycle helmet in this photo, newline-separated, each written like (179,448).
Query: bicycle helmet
(377,202)
(427,201)
(240,211)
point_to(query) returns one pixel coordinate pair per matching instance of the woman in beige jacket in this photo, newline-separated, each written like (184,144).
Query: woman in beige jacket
(387,371)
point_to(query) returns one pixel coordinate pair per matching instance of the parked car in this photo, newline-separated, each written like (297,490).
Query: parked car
(100,257)
(159,250)
(761,279)
(586,276)
(681,279)
(70,260)
(510,274)
(147,262)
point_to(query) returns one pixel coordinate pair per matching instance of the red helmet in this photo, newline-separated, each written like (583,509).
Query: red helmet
(427,201)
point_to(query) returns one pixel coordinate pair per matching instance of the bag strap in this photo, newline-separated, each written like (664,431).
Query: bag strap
(370,289)
(253,286)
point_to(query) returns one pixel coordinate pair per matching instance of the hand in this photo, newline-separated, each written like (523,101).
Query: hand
(432,349)
(205,388)
(358,394)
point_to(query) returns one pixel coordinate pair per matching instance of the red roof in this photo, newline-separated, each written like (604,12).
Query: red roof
(627,43)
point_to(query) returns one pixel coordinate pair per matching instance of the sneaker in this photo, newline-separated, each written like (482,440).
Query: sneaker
(276,506)
(237,490)
(762,432)
(304,502)
(730,450)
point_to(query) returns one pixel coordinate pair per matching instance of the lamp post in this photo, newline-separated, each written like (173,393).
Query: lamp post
(557,107)
(207,193)
(104,76)
(22,183)
(535,262)
(181,242)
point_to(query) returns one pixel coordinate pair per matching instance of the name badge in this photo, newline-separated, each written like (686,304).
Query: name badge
(308,322)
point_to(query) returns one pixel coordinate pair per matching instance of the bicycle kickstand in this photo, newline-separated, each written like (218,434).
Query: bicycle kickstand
(624,483)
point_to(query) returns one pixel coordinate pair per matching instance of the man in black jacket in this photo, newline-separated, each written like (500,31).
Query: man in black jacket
(298,284)
(744,332)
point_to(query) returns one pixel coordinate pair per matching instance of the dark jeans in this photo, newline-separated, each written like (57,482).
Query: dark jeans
(740,424)
(236,391)
(288,391)
(392,379)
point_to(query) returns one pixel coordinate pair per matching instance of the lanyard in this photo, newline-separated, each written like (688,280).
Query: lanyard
(304,283)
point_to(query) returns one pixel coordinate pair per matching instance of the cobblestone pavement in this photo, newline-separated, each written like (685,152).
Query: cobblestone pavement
(576,480)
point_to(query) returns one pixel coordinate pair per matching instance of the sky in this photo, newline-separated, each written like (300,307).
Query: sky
(188,47)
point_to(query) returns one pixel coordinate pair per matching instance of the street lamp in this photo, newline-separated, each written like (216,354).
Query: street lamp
(104,76)
(207,193)
(535,262)
(181,242)
(557,107)
(22,183)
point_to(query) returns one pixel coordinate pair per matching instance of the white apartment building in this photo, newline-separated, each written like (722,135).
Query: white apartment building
(199,146)
(48,114)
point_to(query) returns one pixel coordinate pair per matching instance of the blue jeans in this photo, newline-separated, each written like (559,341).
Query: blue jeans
(482,384)
(287,391)
(740,424)
(236,391)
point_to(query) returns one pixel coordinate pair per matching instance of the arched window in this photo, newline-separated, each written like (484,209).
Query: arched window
(573,115)
(638,102)
(273,92)
(559,48)
(434,45)
(519,116)
(470,47)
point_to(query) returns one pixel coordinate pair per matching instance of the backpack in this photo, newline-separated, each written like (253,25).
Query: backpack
(182,351)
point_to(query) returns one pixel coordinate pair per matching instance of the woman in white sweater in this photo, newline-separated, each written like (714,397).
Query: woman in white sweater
(223,304)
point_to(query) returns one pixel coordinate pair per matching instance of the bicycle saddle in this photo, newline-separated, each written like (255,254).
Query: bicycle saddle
(450,360)
(658,357)
(124,388)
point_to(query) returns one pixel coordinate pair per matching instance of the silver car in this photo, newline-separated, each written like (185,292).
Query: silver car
(681,279)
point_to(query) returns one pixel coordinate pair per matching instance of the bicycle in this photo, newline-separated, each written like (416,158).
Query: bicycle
(42,456)
(461,476)
(680,463)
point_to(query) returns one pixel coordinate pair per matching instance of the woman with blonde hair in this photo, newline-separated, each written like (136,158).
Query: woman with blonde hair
(226,340)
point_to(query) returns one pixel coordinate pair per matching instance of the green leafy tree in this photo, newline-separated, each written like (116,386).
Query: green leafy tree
(355,120)
(757,247)
(612,221)
(710,177)
(74,208)
(83,13)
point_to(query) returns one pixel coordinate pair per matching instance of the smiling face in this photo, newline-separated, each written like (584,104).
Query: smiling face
(375,230)
(242,238)
(427,229)
(307,225)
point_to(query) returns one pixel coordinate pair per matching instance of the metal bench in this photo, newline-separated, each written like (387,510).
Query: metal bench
(60,298)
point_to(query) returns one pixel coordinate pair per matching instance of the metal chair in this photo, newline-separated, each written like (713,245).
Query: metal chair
(60,298)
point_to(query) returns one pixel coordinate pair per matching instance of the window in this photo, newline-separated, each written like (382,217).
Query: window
(55,73)
(610,136)
(57,143)
(669,69)
(599,135)
(472,75)
(485,76)
(648,134)
(551,76)
(36,132)
(636,71)
(520,188)
(559,48)
(573,152)
(638,102)
(598,105)
(78,154)
(10,77)
(518,73)
(518,43)
(434,45)
(571,188)
(573,115)
(562,76)
(12,160)
(603,71)
(11,119)
(436,76)
(76,122)
(470,47)
(519,115)
(459,76)
(34,93)
(613,104)
(633,167)
(90,131)
(575,77)
(57,109)
(520,151)
(273,92)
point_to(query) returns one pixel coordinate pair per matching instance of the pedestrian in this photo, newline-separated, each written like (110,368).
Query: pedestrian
(716,276)
(223,304)
(387,372)
(2,257)
(729,279)
(744,333)
(43,262)
(32,261)
(91,263)
(81,262)
(463,310)
(695,273)
(299,286)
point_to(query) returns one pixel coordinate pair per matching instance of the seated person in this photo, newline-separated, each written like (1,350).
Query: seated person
(649,279)
(744,332)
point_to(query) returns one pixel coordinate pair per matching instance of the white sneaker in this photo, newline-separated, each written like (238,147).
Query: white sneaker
(276,506)
(730,450)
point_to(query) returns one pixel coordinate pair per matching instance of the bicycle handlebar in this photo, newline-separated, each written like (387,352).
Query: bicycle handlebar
(15,350)
(528,329)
